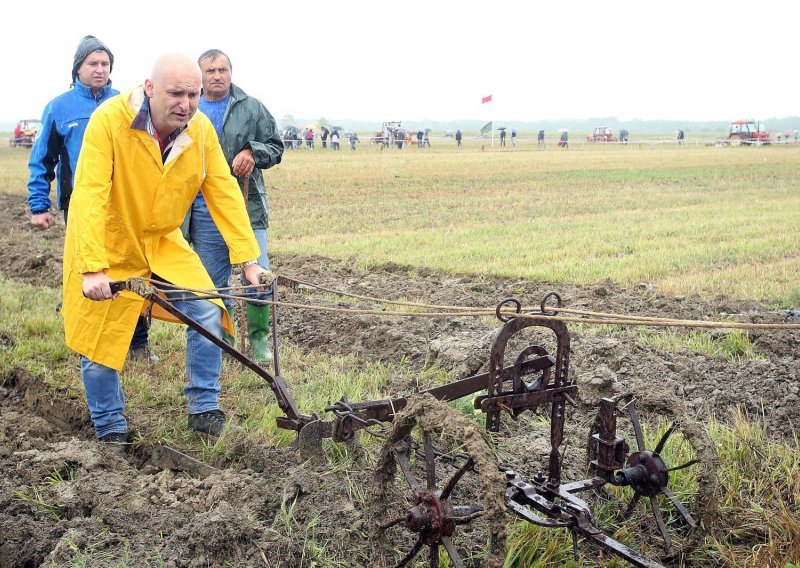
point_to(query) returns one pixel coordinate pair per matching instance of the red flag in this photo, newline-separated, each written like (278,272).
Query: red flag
(485,100)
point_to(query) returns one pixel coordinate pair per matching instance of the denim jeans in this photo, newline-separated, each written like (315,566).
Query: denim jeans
(139,339)
(104,394)
(212,250)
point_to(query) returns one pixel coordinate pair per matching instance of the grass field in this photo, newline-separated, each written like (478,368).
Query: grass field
(691,220)
(688,220)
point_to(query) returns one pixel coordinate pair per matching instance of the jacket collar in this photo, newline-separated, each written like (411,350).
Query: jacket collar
(143,125)
(85,91)
(237,93)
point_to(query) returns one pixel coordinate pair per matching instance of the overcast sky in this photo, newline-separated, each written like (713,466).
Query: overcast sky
(436,59)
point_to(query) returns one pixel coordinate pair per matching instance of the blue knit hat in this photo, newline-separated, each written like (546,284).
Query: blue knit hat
(88,45)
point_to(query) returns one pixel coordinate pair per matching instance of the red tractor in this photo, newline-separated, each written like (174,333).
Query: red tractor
(25,133)
(747,132)
(602,134)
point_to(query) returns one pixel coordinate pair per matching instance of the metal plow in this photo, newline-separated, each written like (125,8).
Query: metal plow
(437,475)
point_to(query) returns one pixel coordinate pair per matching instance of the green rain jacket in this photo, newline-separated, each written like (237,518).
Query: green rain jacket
(248,124)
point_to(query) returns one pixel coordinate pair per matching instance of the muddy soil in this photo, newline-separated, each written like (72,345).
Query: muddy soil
(60,492)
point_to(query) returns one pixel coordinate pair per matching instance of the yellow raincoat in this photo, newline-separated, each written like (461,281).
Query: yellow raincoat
(124,218)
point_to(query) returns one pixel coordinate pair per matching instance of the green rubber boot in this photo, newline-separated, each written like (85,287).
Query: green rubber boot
(257,331)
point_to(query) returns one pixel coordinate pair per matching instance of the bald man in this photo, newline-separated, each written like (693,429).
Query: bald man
(144,155)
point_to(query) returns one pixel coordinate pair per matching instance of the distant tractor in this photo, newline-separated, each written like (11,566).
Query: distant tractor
(746,132)
(602,134)
(391,132)
(26,132)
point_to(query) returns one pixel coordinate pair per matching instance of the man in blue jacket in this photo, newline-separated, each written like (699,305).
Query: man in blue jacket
(55,152)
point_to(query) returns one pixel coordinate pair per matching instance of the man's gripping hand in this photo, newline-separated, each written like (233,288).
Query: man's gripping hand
(258,276)
(97,286)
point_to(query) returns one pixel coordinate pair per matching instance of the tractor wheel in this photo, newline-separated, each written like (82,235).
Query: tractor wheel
(736,141)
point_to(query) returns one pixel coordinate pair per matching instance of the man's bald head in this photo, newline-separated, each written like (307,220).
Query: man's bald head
(174,91)
(174,64)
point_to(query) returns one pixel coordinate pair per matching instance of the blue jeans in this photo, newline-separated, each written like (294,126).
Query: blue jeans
(212,250)
(139,339)
(104,394)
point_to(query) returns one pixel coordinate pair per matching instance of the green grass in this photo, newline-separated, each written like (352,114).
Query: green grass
(734,345)
(759,498)
(687,220)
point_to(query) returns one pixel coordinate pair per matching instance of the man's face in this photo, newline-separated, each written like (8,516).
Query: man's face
(174,95)
(95,69)
(216,78)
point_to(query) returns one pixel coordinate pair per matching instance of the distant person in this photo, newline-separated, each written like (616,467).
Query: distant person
(623,136)
(17,133)
(55,152)
(458,138)
(353,140)
(310,138)
(420,135)
(786,135)
(563,141)
(680,136)
(540,139)
(324,137)
(503,137)
(335,140)
(427,138)
(513,137)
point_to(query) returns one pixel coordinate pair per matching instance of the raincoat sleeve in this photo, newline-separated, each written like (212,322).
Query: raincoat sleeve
(226,203)
(89,205)
(268,148)
(42,163)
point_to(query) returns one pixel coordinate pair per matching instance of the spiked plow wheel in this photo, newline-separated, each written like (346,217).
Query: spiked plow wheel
(426,486)
(648,475)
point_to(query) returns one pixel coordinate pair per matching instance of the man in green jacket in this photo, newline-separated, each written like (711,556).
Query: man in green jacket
(251,143)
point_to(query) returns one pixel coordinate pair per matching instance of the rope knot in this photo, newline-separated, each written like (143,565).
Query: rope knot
(141,287)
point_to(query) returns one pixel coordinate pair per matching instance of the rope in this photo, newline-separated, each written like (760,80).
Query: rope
(146,287)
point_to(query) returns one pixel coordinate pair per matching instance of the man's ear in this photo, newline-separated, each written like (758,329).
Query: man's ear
(148,88)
